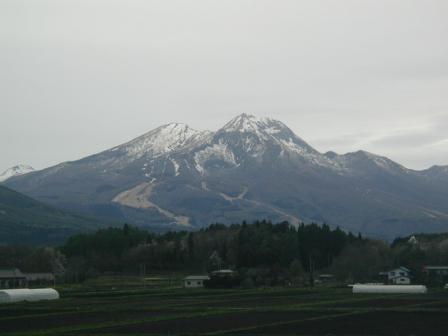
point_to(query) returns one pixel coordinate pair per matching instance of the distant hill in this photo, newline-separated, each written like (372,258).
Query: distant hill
(24,220)
(251,168)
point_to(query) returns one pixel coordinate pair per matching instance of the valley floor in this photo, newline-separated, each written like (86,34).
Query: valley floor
(319,311)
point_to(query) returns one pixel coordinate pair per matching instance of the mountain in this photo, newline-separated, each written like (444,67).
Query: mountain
(15,171)
(251,168)
(24,220)
(437,173)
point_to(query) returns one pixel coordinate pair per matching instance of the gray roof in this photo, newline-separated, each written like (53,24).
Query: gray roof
(39,276)
(401,268)
(11,273)
(436,267)
(224,271)
(197,277)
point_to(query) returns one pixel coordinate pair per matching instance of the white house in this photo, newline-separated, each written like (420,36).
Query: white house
(398,276)
(195,281)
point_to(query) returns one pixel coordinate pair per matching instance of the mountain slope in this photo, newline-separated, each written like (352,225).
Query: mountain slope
(24,220)
(251,168)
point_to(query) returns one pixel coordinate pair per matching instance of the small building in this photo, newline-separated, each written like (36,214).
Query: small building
(398,276)
(156,282)
(436,274)
(12,278)
(195,281)
(40,278)
(224,278)
(412,240)
(326,278)
(224,272)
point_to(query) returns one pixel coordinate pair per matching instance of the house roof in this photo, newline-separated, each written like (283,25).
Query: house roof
(197,277)
(224,271)
(39,276)
(326,276)
(11,273)
(401,268)
(436,267)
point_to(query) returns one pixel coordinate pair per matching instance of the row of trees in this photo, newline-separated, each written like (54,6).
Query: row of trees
(263,253)
(32,259)
(261,249)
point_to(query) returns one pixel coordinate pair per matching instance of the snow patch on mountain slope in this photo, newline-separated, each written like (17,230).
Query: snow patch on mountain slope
(176,167)
(316,158)
(217,151)
(20,169)
(163,140)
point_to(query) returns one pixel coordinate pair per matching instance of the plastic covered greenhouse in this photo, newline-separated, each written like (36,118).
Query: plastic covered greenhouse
(392,289)
(25,294)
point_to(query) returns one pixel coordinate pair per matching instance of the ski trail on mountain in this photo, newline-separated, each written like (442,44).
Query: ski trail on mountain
(138,197)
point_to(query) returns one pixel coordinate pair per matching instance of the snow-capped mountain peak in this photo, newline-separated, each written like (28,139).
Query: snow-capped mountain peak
(15,171)
(244,123)
(362,160)
(264,128)
(163,140)
(267,130)
(249,137)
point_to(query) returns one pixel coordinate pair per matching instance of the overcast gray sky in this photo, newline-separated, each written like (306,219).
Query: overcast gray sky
(77,77)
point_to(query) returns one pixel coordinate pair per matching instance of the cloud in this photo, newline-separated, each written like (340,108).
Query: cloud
(418,146)
(344,75)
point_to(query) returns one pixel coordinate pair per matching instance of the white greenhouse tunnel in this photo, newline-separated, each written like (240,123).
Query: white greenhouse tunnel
(391,289)
(25,294)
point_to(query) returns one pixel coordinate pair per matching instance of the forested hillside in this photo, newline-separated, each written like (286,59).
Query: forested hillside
(27,221)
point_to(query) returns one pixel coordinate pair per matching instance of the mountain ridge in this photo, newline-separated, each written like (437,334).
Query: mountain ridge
(251,168)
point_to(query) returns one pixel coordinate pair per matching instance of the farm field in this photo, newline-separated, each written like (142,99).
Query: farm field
(271,311)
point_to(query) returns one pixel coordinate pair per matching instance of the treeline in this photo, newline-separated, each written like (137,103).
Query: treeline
(262,252)
(32,259)
(274,250)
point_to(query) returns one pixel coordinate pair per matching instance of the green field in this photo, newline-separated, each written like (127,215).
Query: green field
(270,311)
